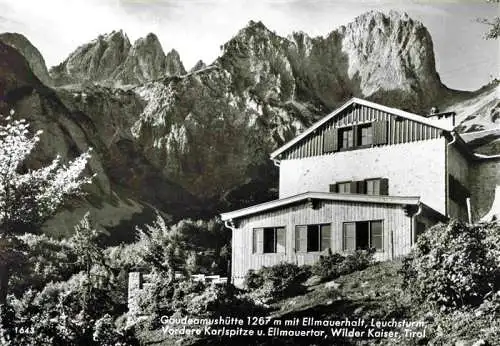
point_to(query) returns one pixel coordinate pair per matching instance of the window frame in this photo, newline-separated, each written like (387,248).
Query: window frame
(341,133)
(320,238)
(360,128)
(370,239)
(275,238)
(371,180)
(343,183)
(361,187)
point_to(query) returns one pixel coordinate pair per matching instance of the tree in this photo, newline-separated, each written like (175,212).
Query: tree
(494,25)
(89,254)
(162,247)
(29,197)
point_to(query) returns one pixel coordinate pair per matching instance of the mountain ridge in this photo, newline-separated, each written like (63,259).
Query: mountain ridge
(197,143)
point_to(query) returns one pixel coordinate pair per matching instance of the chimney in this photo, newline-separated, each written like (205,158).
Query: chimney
(443,118)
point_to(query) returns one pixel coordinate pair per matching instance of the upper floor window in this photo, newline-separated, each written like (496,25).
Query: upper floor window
(373,186)
(351,137)
(269,240)
(344,187)
(346,138)
(312,238)
(378,186)
(365,135)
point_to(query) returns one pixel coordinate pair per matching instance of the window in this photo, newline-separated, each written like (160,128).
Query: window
(351,137)
(365,135)
(269,240)
(312,238)
(379,186)
(363,235)
(373,187)
(346,138)
(344,187)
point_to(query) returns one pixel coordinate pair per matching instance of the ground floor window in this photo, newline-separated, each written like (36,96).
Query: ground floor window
(310,238)
(269,240)
(363,235)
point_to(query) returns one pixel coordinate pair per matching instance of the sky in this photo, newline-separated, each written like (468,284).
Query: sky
(198,28)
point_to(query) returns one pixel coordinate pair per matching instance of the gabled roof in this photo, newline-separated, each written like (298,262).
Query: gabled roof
(354,100)
(326,196)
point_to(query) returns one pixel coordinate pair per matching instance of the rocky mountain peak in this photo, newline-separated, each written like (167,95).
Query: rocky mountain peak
(111,60)
(117,36)
(254,31)
(390,52)
(30,53)
(173,64)
(94,61)
(200,64)
(145,61)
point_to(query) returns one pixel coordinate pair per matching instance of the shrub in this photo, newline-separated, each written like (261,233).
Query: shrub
(468,325)
(49,260)
(62,313)
(194,246)
(190,298)
(221,300)
(276,282)
(106,333)
(452,265)
(334,264)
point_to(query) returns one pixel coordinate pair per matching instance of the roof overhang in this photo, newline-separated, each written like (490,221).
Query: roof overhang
(324,196)
(395,111)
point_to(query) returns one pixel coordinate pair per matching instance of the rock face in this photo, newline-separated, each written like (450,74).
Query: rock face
(265,89)
(178,141)
(198,66)
(126,185)
(94,61)
(31,53)
(146,61)
(391,53)
(112,61)
(173,64)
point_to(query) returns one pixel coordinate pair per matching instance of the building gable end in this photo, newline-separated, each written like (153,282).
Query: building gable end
(358,124)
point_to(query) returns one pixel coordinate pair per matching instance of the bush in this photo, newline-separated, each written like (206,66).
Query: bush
(49,260)
(469,325)
(452,265)
(221,300)
(106,333)
(276,282)
(332,266)
(190,298)
(62,313)
(194,246)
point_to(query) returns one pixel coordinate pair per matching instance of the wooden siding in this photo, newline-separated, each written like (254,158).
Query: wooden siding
(400,130)
(396,232)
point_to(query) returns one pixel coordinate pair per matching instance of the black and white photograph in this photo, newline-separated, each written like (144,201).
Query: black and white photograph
(268,172)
